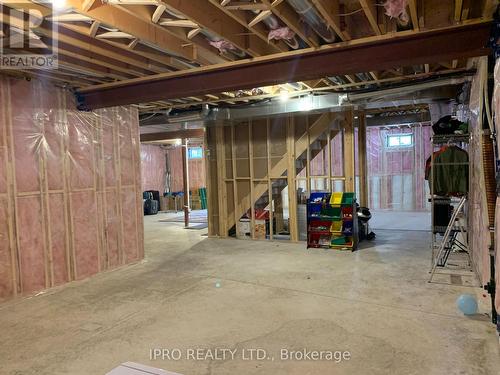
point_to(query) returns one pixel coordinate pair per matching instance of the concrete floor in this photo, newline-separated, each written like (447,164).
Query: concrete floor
(400,220)
(194,292)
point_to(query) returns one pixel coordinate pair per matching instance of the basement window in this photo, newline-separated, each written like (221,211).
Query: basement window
(195,153)
(399,140)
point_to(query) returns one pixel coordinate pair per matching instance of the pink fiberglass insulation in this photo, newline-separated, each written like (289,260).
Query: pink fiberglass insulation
(153,167)
(396,9)
(396,176)
(281,33)
(222,45)
(70,188)
(478,211)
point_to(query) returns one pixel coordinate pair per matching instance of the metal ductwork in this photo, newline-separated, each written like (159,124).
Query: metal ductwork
(187,117)
(331,102)
(387,94)
(337,80)
(313,19)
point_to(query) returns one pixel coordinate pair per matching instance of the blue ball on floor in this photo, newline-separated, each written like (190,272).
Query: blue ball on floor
(467,304)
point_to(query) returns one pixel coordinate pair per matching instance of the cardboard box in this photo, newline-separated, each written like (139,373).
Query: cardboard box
(243,229)
(260,229)
(167,203)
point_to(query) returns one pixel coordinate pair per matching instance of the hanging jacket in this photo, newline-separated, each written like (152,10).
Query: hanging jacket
(450,172)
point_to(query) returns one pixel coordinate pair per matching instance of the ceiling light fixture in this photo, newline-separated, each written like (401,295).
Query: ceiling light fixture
(59,4)
(306,103)
(284,95)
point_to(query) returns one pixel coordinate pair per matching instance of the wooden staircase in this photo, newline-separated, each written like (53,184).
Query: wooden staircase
(317,144)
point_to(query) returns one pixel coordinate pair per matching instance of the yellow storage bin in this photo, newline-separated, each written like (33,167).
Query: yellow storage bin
(336,199)
(336,226)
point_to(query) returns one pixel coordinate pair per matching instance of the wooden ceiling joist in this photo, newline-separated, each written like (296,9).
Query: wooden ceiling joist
(127,23)
(382,52)
(330,11)
(244,19)
(102,42)
(369,7)
(209,17)
(285,13)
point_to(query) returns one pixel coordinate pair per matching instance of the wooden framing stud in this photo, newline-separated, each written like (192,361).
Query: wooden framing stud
(349,157)
(363,161)
(369,7)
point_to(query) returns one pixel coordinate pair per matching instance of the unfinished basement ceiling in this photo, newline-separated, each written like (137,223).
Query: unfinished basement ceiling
(119,40)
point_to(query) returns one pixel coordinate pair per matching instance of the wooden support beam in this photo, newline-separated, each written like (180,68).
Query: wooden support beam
(363,161)
(221,184)
(383,52)
(291,174)
(185,181)
(349,158)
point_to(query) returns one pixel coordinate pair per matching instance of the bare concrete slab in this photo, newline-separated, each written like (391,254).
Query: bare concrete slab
(271,303)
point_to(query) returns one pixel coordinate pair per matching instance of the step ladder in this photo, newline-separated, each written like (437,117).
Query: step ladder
(450,239)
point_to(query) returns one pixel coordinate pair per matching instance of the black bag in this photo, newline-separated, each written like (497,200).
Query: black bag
(155,194)
(446,125)
(151,206)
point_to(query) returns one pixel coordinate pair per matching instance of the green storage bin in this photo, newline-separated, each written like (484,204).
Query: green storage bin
(348,199)
(338,241)
(332,212)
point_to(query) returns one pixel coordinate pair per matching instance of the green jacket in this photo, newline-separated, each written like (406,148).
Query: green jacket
(451,172)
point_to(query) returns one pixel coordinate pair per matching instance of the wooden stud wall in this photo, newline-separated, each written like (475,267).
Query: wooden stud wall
(248,158)
(67,180)
(363,163)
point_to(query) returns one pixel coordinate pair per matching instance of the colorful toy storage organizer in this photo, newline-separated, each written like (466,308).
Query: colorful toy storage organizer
(331,221)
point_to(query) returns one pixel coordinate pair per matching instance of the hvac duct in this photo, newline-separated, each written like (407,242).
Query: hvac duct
(388,93)
(313,19)
(190,116)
